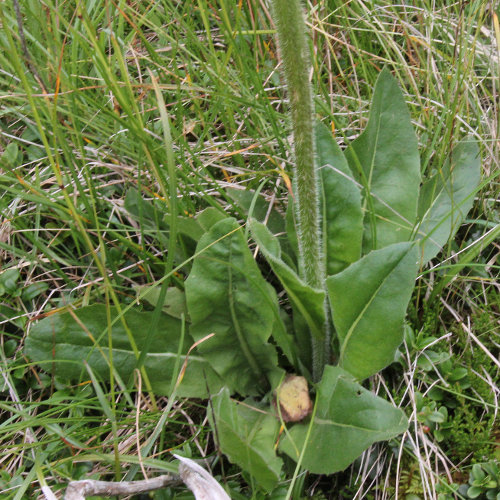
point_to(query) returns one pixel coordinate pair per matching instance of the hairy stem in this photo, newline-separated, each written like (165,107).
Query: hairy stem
(294,51)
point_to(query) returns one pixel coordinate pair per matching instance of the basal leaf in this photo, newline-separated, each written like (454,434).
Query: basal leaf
(342,217)
(147,213)
(306,300)
(261,210)
(227,295)
(174,303)
(447,197)
(369,301)
(385,160)
(246,434)
(348,419)
(152,219)
(255,206)
(60,344)
(208,217)
(10,154)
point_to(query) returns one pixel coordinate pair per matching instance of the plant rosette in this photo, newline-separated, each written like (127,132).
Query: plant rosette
(378,225)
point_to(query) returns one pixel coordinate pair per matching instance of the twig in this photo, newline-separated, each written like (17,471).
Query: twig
(79,490)
(196,478)
(199,481)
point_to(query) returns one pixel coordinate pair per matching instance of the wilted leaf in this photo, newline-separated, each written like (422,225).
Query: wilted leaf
(348,419)
(292,397)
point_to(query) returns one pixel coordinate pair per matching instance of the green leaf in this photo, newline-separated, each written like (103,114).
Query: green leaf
(342,217)
(305,299)
(347,420)
(478,473)
(386,161)
(62,342)
(208,217)
(261,210)
(447,197)
(369,301)
(254,205)
(152,217)
(147,214)
(34,290)
(458,373)
(227,295)
(8,279)
(9,156)
(437,417)
(246,435)
(174,303)
(474,491)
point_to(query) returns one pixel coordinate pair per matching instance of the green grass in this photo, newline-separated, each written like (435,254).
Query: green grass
(83,129)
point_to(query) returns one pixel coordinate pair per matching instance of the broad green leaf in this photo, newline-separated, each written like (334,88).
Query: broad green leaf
(261,210)
(369,301)
(8,280)
(246,434)
(9,156)
(61,343)
(385,160)
(147,213)
(208,217)
(347,420)
(34,290)
(447,197)
(174,303)
(308,301)
(342,217)
(227,295)
(152,217)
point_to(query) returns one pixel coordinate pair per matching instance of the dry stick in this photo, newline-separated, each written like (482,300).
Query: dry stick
(79,490)
(196,478)
(24,47)
(199,481)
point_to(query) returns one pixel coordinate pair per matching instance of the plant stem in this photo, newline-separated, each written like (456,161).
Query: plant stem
(294,51)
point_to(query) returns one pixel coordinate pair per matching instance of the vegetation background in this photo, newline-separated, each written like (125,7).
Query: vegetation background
(81,127)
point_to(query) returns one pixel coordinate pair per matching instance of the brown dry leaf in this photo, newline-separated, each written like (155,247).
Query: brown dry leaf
(293,397)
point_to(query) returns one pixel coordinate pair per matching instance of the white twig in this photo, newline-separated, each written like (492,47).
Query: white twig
(79,490)
(196,478)
(199,481)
